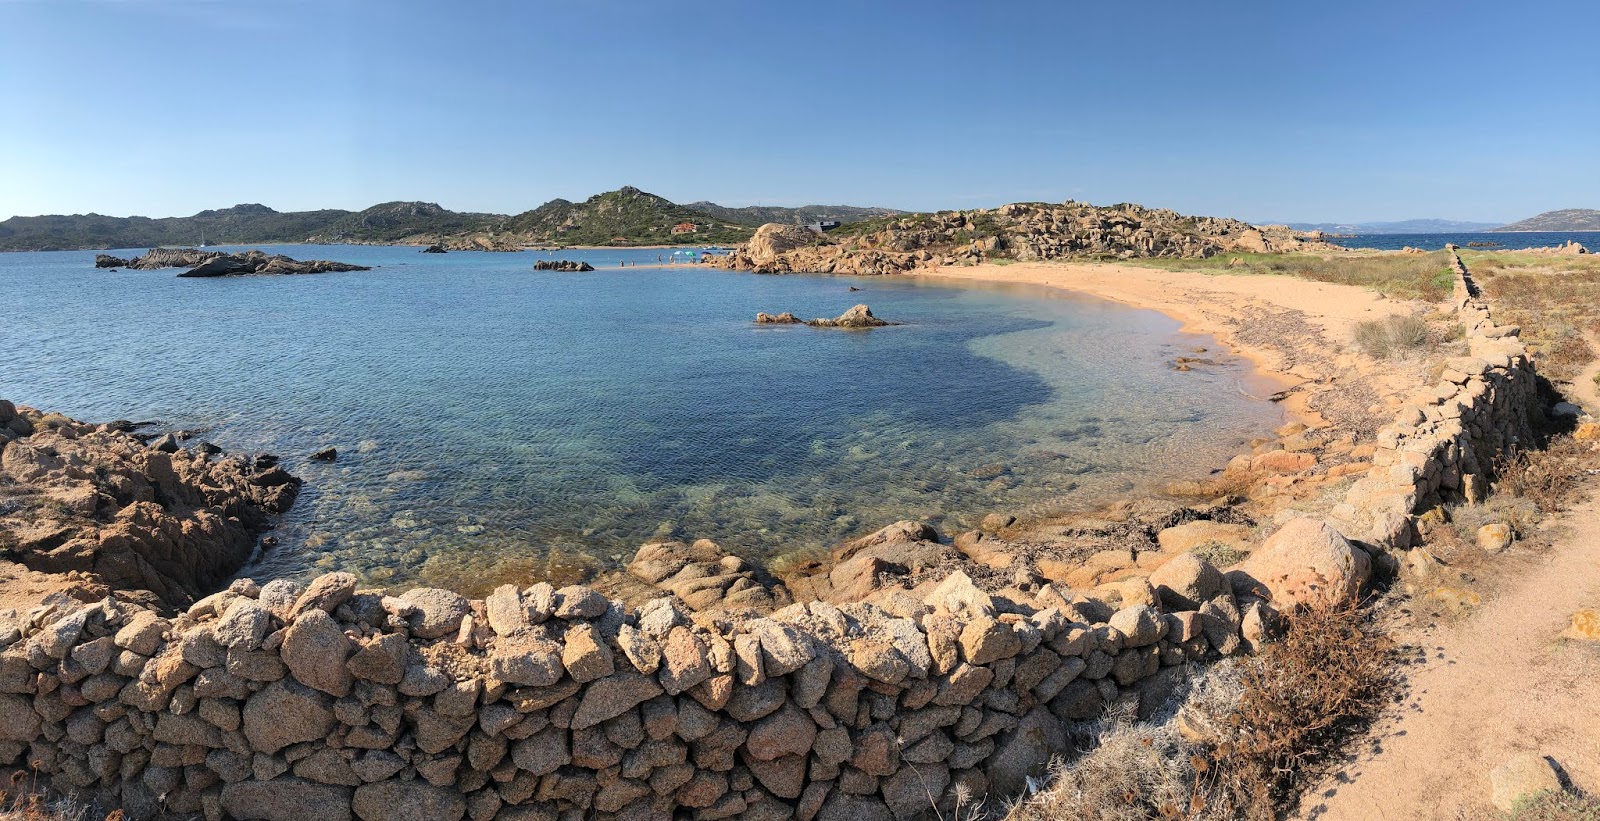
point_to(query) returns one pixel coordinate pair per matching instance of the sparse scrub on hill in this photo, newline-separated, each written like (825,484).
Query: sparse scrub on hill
(1392,336)
(1406,276)
(1250,734)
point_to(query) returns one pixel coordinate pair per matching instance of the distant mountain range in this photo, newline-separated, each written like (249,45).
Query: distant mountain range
(1418,226)
(1567,219)
(623,217)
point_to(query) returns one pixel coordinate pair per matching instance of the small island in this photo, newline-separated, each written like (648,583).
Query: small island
(859,316)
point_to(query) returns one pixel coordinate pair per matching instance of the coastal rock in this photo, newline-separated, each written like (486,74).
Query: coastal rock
(562,265)
(705,577)
(434,249)
(785,318)
(109,261)
(285,799)
(859,316)
(257,262)
(1304,561)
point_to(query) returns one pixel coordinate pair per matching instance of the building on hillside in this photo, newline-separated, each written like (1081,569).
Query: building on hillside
(684,228)
(821,226)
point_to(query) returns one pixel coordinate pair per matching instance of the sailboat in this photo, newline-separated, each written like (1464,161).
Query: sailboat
(203,243)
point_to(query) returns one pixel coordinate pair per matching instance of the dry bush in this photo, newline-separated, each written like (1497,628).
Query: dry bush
(1303,698)
(27,800)
(1551,805)
(1391,336)
(1218,554)
(1407,276)
(1549,478)
(1274,720)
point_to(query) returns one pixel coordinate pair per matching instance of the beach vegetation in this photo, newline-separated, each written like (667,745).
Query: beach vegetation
(1392,336)
(1555,300)
(1405,276)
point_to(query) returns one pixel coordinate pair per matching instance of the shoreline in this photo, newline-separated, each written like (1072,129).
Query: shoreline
(1195,301)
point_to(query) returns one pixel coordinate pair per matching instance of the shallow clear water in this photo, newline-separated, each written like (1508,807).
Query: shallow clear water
(493,421)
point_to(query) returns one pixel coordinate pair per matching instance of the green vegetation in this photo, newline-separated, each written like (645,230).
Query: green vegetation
(626,216)
(239,225)
(758,215)
(1391,336)
(1555,805)
(1407,276)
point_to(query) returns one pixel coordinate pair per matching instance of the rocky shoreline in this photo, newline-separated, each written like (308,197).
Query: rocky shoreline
(99,507)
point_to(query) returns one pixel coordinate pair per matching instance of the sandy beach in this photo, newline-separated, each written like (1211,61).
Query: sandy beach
(1238,310)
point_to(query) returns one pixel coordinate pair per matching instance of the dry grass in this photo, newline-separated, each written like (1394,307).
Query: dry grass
(1392,336)
(26,799)
(1275,720)
(1406,276)
(1550,805)
(1556,301)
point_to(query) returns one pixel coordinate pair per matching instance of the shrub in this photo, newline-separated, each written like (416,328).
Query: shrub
(1218,554)
(1391,336)
(1549,478)
(1304,695)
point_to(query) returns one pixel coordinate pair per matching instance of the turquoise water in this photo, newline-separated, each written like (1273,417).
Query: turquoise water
(494,421)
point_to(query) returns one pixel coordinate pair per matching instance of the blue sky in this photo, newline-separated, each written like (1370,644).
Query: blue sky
(1276,110)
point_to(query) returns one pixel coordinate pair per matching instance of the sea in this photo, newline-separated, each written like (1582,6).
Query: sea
(1509,241)
(498,423)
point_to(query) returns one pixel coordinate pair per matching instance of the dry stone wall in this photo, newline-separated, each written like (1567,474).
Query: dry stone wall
(278,702)
(1442,446)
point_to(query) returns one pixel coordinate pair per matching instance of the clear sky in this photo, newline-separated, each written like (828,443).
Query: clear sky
(1264,110)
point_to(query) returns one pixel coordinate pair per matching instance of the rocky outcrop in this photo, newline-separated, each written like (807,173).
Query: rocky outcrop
(257,262)
(434,249)
(859,316)
(562,265)
(97,501)
(1021,231)
(109,261)
(157,258)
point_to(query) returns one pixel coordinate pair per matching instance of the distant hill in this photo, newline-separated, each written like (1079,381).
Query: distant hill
(239,225)
(1417,226)
(626,216)
(396,221)
(758,215)
(1567,219)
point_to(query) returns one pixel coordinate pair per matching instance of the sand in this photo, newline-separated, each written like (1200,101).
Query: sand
(1253,315)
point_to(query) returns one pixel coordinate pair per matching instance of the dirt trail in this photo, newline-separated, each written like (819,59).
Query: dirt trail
(1501,682)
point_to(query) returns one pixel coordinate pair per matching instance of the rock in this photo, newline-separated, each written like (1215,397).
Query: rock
(957,595)
(380,659)
(325,593)
(109,261)
(286,799)
(1139,625)
(286,712)
(325,455)
(1190,535)
(1494,537)
(562,265)
(584,655)
(1188,581)
(1307,560)
(18,721)
(859,316)
(434,249)
(1521,776)
(1585,625)
(243,625)
(315,650)
(785,318)
(984,640)
(257,262)
(612,696)
(408,801)
(1025,751)
(642,651)
(527,659)
(789,731)
(505,610)
(684,661)
(439,612)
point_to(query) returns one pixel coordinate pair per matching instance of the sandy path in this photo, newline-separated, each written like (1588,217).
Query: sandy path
(1499,683)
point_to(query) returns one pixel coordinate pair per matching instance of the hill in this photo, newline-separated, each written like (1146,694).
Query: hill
(239,225)
(757,215)
(626,216)
(1566,219)
(1413,226)
(396,221)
